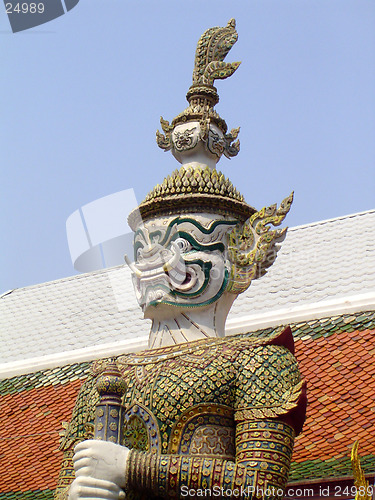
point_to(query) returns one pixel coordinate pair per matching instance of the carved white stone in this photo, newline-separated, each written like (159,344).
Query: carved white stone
(188,145)
(180,275)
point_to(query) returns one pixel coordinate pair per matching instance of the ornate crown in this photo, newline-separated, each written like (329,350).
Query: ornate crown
(192,189)
(198,138)
(212,48)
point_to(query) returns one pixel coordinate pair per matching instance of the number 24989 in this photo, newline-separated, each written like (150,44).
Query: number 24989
(24,8)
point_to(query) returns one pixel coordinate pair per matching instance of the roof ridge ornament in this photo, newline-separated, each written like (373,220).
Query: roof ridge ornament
(199,133)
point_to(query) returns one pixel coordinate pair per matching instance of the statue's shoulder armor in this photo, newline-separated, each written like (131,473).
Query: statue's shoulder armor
(281,336)
(268,381)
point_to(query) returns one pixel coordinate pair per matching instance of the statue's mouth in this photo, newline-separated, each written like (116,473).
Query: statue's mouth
(155,264)
(154,278)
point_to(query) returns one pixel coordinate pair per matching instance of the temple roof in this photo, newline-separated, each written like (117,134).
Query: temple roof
(323,261)
(321,268)
(335,356)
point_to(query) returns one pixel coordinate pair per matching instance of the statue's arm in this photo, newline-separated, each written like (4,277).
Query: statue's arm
(269,405)
(263,454)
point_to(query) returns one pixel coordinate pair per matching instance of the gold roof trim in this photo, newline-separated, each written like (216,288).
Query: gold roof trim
(363,490)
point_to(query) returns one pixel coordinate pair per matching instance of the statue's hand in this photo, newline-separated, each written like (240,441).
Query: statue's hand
(101,460)
(89,488)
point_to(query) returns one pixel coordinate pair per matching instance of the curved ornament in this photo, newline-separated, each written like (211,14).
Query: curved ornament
(212,48)
(199,417)
(141,430)
(164,141)
(253,247)
(364,491)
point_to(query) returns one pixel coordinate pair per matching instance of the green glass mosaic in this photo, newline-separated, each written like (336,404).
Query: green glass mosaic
(28,495)
(340,467)
(62,375)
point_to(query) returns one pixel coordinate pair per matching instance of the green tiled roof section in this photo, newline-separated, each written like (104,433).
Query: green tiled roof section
(44,378)
(333,467)
(28,495)
(325,327)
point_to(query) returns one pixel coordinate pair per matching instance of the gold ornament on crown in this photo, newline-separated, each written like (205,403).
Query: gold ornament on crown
(193,188)
(197,188)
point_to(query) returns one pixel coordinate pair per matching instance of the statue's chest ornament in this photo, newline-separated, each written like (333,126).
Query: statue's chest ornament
(166,403)
(206,429)
(141,430)
(202,430)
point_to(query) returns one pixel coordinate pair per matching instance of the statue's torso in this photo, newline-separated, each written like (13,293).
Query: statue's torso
(185,399)
(189,399)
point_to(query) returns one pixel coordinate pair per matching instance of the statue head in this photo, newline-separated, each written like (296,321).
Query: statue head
(197,242)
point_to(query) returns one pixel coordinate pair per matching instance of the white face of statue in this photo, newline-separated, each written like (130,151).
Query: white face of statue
(181,261)
(189,146)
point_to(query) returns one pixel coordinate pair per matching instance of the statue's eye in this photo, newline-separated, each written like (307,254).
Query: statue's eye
(139,254)
(183,245)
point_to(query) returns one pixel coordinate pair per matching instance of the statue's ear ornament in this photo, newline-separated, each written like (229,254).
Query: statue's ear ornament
(164,141)
(232,148)
(253,246)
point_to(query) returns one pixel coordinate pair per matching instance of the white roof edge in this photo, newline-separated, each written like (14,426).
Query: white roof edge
(66,278)
(32,365)
(7,292)
(249,323)
(325,221)
(306,312)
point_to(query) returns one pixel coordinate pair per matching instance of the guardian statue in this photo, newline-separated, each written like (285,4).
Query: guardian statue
(198,413)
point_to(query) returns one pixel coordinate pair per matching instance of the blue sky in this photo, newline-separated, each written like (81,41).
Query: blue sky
(82,96)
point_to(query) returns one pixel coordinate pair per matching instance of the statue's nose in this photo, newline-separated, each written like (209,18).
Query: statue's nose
(151,250)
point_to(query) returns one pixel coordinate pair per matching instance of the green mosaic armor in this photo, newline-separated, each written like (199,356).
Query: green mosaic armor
(217,413)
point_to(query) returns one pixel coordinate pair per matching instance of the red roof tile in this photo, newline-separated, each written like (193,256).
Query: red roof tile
(339,392)
(29,436)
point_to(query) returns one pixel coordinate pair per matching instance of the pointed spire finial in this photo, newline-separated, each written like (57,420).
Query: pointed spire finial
(199,127)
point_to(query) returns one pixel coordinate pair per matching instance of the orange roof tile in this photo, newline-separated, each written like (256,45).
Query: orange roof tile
(30,423)
(340,390)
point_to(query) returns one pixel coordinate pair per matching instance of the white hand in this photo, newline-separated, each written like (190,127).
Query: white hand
(93,489)
(101,460)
